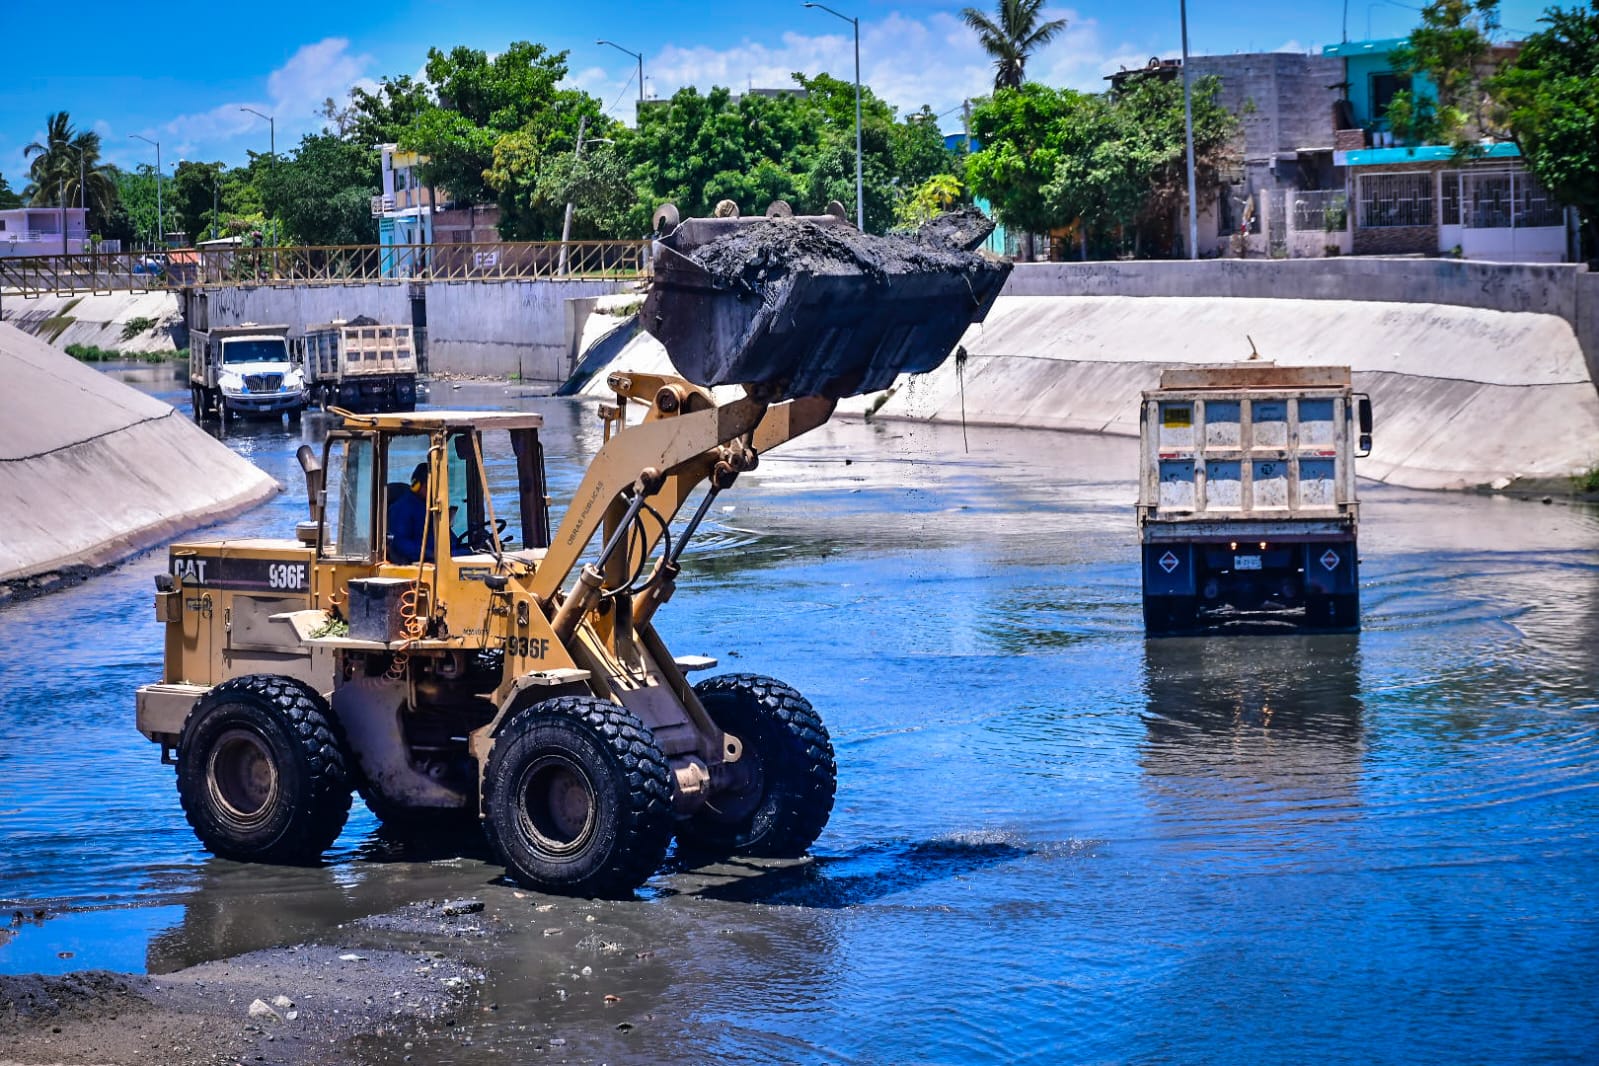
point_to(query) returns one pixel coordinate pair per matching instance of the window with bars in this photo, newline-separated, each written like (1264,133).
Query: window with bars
(1404,199)
(1506,199)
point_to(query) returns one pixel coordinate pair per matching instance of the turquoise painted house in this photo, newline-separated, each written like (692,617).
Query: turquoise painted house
(1409,198)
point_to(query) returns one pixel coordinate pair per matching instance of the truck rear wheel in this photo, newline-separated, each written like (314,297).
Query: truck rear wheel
(261,771)
(1170,615)
(577,798)
(790,779)
(1333,612)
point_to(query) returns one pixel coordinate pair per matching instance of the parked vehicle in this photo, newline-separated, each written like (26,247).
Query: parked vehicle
(361,366)
(244,370)
(1246,503)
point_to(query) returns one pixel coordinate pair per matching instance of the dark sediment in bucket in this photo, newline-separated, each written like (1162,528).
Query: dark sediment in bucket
(812,306)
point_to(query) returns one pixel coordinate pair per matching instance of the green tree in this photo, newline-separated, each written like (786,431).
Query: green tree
(8,197)
(381,117)
(1451,48)
(1022,132)
(535,184)
(1123,171)
(481,100)
(1549,96)
(1014,34)
(66,169)
(930,199)
(191,193)
(323,191)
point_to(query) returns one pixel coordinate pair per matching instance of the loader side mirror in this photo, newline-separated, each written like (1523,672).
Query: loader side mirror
(313,480)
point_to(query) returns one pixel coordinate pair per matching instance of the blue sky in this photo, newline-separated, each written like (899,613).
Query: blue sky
(179,72)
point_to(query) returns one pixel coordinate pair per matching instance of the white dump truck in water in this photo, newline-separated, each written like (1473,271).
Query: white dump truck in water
(245,370)
(1246,500)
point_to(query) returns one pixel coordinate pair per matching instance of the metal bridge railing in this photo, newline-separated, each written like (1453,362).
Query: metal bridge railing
(186,268)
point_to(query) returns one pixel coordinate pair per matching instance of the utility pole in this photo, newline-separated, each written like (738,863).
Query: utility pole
(860,188)
(1188,132)
(966,125)
(160,233)
(638,56)
(272,143)
(566,224)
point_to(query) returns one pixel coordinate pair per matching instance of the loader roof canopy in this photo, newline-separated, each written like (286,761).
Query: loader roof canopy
(431,420)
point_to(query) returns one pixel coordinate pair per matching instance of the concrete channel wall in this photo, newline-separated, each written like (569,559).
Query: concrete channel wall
(1568,291)
(1467,392)
(92,470)
(114,321)
(489,328)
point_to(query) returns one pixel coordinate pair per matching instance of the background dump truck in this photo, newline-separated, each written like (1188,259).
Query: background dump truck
(1246,502)
(361,366)
(244,370)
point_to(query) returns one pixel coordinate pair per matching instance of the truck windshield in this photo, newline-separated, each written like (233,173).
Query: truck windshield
(265,350)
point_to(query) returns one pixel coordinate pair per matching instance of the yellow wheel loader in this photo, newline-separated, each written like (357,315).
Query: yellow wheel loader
(427,641)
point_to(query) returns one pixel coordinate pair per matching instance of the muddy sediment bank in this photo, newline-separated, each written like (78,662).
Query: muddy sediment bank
(304,1004)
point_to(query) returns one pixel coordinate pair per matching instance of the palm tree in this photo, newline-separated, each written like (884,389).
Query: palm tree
(66,169)
(1016,35)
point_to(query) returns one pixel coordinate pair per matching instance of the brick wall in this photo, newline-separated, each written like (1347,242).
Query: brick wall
(1396,240)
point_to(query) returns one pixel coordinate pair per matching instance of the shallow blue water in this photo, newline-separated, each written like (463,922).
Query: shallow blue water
(1054,841)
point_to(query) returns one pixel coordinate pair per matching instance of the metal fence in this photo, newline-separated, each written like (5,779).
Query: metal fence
(1325,210)
(1509,199)
(333,265)
(1400,199)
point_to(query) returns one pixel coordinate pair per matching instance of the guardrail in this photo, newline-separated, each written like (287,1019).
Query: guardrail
(196,268)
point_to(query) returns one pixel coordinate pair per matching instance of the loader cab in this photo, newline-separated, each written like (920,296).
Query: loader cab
(485,473)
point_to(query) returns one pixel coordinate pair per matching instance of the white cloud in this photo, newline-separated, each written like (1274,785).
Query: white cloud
(294,96)
(908,61)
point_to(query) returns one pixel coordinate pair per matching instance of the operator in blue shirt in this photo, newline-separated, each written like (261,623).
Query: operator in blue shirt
(408,520)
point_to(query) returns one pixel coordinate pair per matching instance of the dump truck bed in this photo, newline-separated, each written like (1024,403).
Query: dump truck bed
(1261,443)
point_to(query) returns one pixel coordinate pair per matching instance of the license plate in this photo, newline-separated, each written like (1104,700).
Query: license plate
(1246,562)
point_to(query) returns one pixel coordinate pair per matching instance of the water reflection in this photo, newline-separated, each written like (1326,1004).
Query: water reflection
(1252,741)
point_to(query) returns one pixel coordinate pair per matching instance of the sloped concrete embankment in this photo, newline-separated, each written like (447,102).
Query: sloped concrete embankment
(92,471)
(134,322)
(1463,396)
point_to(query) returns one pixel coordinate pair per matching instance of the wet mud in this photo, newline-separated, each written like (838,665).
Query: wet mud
(762,255)
(304,1004)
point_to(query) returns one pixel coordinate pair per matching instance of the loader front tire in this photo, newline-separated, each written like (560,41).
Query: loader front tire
(577,798)
(262,771)
(789,778)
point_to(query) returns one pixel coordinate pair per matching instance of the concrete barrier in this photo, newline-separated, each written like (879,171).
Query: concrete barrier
(1565,290)
(505,328)
(92,470)
(1463,396)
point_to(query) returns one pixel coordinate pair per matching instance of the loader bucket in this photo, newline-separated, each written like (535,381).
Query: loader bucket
(810,306)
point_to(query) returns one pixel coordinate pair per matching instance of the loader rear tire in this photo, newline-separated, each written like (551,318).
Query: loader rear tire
(262,771)
(577,798)
(791,777)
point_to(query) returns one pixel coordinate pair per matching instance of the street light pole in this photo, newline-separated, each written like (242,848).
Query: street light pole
(272,144)
(860,188)
(1188,133)
(160,233)
(636,55)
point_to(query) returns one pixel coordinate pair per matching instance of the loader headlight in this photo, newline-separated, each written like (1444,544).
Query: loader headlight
(232,382)
(294,380)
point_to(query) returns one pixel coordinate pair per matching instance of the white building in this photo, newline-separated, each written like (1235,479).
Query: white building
(38,231)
